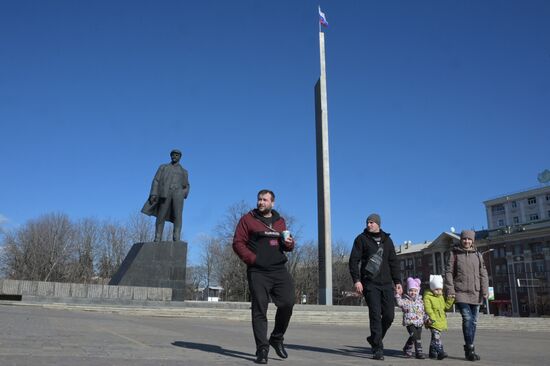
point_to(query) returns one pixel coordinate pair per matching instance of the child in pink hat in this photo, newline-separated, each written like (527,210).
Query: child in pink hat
(413,316)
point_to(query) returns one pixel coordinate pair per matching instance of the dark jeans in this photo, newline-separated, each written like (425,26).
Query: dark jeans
(280,287)
(381,302)
(469,314)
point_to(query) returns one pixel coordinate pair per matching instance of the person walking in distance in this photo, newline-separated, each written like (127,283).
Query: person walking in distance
(374,270)
(260,240)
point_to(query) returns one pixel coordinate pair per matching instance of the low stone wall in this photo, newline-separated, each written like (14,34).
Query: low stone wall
(78,290)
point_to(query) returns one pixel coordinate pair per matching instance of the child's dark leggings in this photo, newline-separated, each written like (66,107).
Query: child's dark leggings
(415,333)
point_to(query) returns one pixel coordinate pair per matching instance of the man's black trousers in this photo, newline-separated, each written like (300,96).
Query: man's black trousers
(381,302)
(280,287)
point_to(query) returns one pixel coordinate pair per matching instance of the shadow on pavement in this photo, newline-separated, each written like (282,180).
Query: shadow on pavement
(387,352)
(350,351)
(214,349)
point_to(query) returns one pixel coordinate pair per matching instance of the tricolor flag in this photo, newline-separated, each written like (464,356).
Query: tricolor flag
(322,18)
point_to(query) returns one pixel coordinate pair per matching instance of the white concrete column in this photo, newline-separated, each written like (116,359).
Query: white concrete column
(323,183)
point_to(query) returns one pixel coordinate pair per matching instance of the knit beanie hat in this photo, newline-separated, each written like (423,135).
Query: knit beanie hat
(374,218)
(468,234)
(436,281)
(413,283)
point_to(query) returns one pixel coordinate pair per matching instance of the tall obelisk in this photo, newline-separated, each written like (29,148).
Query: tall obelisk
(323,183)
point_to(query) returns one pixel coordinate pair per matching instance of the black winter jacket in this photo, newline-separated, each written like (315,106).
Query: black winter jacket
(364,247)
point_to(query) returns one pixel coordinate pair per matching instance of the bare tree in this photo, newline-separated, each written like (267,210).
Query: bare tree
(209,262)
(341,280)
(41,250)
(232,271)
(140,228)
(114,246)
(306,272)
(226,227)
(52,248)
(194,277)
(87,235)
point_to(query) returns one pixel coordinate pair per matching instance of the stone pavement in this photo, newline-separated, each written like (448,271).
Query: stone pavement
(60,334)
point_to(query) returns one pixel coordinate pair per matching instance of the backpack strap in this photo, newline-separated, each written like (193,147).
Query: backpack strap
(454,264)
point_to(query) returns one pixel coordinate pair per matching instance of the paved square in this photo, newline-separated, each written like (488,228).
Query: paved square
(34,335)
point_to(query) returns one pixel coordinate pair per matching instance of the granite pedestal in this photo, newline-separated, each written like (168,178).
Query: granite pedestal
(152,264)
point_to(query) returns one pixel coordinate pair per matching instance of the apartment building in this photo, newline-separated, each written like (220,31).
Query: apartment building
(518,208)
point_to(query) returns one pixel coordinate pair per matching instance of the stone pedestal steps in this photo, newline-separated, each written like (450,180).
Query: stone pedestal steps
(313,314)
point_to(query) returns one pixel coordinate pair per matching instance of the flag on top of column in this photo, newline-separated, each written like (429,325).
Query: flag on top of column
(322,18)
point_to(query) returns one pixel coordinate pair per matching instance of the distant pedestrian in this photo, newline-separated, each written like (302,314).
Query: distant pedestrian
(260,240)
(466,280)
(435,306)
(374,270)
(413,317)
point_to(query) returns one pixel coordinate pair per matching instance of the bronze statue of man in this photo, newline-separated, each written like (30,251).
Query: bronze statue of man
(169,188)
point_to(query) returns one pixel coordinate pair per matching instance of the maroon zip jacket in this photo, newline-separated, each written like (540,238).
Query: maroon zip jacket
(260,245)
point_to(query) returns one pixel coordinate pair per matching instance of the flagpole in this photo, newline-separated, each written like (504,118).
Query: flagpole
(323,180)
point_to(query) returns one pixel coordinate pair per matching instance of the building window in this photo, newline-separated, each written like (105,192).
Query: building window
(497,209)
(520,268)
(533,217)
(518,249)
(539,266)
(537,248)
(531,200)
(548,197)
(514,204)
(500,222)
(516,219)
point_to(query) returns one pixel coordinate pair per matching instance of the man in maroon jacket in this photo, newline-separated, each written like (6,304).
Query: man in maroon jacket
(260,242)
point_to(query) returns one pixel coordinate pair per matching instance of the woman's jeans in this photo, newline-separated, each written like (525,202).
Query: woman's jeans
(469,314)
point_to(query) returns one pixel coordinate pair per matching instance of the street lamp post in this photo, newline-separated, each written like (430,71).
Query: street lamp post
(487,299)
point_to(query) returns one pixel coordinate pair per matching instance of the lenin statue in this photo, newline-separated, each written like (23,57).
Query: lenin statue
(169,188)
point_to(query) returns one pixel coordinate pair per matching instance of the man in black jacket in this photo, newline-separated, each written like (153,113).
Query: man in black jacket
(379,272)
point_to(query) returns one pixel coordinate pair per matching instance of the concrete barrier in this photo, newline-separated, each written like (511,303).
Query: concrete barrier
(94,292)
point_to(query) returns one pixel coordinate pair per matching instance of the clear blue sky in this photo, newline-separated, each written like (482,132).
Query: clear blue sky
(434,107)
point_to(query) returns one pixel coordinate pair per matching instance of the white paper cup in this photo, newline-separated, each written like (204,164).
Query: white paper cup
(286,235)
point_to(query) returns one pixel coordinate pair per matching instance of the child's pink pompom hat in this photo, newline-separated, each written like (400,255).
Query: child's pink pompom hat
(413,283)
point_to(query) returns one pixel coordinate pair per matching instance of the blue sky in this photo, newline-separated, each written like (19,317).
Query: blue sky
(434,107)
